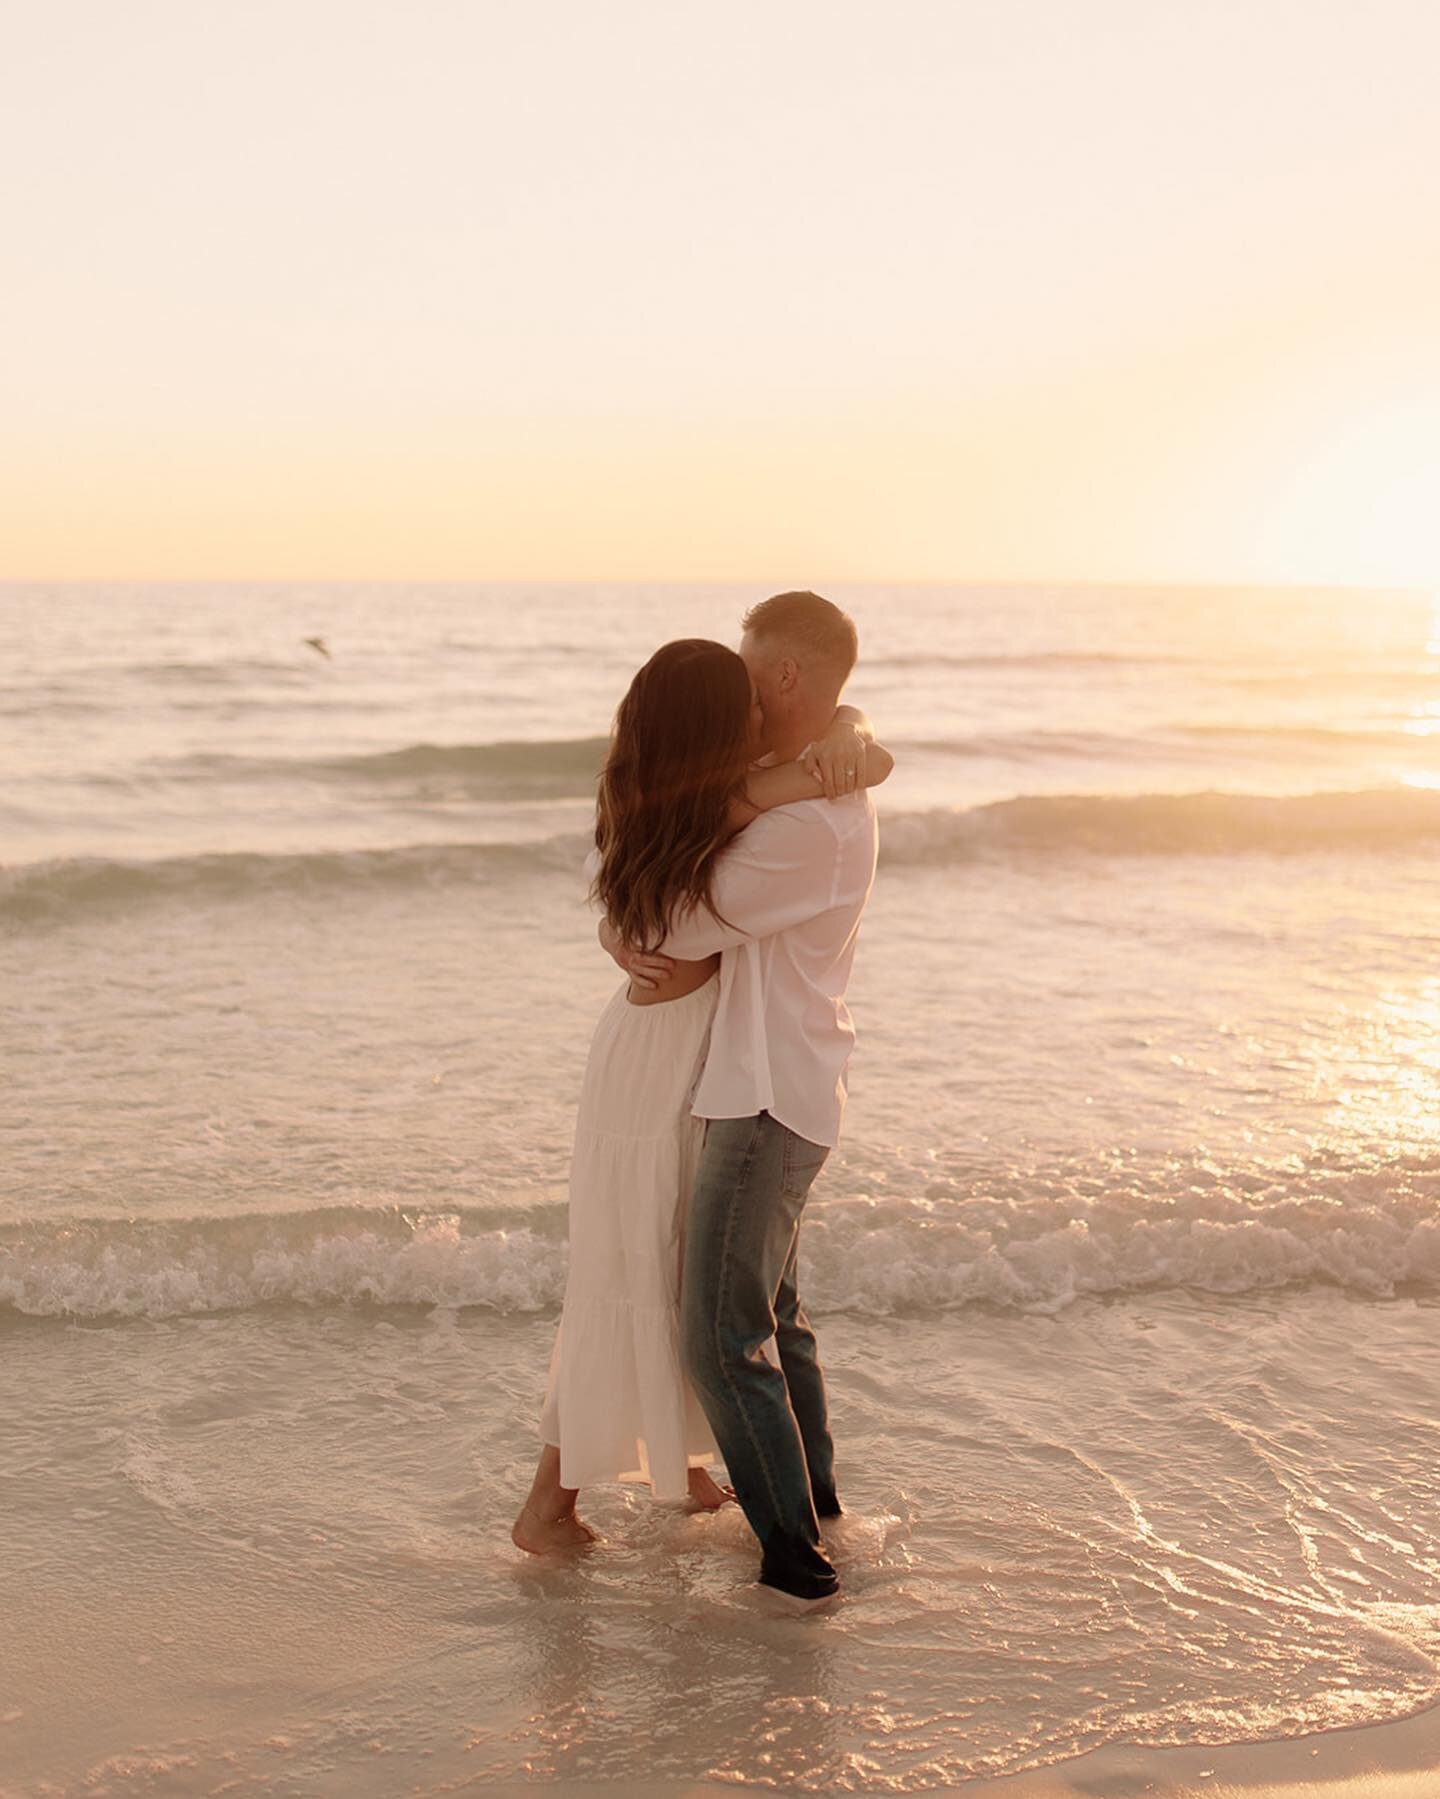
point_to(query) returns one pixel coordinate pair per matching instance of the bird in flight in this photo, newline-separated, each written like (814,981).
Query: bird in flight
(318,643)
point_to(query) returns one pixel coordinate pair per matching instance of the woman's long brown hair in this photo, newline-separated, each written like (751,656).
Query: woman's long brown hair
(678,755)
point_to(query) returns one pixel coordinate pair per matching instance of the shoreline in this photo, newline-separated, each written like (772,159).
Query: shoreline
(1395,1759)
(319,1473)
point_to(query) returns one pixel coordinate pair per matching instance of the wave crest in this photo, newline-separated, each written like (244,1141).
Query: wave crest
(54,890)
(1145,824)
(552,768)
(885,1257)
(1167,823)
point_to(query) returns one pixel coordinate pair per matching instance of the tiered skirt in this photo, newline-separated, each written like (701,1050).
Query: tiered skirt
(617,1402)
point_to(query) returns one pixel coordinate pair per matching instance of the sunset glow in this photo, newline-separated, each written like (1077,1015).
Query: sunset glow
(954,292)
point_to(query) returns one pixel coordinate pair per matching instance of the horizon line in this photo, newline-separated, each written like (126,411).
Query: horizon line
(1202,584)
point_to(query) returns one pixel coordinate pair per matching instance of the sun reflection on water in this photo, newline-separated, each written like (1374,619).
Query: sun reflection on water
(1424,715)
(1386,1076)
(1432,644)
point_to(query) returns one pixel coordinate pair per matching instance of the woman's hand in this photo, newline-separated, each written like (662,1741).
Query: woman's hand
(647,971)
(788,782)
(837,759)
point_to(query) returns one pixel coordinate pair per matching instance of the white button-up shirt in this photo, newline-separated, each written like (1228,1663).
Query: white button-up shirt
(791,888)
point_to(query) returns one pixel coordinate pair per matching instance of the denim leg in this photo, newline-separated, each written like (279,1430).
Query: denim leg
(805,1379)
(740,1234)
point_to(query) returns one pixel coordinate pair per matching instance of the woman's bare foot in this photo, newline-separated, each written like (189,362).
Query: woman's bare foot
(547,1520)
(706,1494)
(540,1535)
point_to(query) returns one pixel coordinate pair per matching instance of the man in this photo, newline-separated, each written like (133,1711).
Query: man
(790,891)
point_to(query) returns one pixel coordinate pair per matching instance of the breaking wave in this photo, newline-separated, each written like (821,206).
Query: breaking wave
(1167,823)
(1144,824)
(52,891)
(553,768)
(886,1256)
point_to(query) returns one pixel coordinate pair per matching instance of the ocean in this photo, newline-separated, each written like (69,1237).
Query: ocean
(1125,1273)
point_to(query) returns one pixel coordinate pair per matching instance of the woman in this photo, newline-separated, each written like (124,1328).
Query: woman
(676,786)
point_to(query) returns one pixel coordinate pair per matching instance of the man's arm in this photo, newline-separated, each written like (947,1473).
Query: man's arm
(778,873)
(646,971)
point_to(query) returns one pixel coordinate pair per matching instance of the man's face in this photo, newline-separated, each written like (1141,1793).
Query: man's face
(764,693)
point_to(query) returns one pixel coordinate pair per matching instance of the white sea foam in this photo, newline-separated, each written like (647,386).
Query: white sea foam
(316,1258)
(885,1257)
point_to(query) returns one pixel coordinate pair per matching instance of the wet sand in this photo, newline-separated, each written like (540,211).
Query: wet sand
(1382,1761)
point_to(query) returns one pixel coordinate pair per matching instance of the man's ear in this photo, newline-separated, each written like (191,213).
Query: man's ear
(789,673)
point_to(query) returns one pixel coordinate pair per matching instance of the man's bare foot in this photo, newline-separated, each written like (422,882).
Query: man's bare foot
(706,1494)
(543,1536)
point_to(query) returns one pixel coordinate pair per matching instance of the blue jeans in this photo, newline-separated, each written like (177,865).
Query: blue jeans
(739,1288)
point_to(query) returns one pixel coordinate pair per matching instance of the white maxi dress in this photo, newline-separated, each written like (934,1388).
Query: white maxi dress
(617,1402)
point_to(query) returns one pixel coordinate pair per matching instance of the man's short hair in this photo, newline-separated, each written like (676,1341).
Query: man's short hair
(809,625)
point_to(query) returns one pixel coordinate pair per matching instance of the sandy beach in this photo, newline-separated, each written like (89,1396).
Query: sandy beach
(267,1550)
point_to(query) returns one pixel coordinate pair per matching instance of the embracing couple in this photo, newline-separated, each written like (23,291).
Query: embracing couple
(735,846)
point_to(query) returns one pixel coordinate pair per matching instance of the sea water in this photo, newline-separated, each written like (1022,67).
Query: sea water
(1125,1273)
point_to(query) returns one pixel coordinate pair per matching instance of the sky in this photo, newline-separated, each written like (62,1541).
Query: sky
(792,292)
